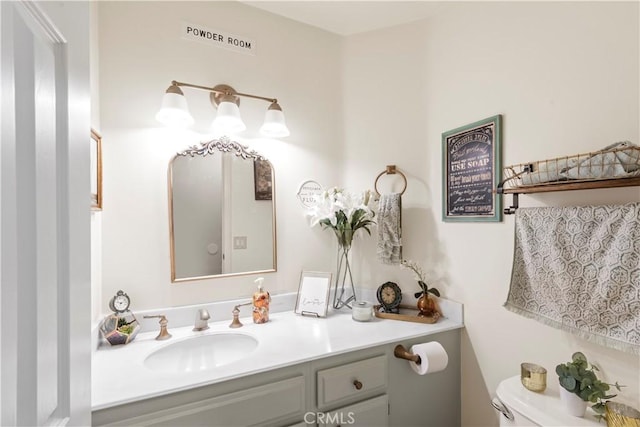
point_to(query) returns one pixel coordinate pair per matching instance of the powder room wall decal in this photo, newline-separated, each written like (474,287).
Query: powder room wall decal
(217,38)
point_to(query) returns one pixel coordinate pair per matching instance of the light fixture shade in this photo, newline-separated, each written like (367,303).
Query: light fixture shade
(228,119)
(274,125)
(174,111)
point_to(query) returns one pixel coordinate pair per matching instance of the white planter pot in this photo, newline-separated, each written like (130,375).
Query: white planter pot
(572,402)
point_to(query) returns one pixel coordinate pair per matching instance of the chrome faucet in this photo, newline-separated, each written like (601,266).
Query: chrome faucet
(202,318)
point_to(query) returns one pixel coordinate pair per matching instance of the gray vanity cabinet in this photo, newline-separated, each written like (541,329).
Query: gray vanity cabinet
(368,387)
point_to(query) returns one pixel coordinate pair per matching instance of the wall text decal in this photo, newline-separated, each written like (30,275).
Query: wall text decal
(218,38)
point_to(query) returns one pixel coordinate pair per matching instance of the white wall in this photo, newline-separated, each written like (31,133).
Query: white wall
(565,78)
(141,52)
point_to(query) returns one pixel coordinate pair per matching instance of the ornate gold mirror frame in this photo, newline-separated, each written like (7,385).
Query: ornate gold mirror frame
(221,212)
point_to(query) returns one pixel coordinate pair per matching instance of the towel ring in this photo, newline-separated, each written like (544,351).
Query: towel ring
(391,170)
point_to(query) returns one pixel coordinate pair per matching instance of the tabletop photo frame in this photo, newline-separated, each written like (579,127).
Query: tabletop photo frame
(313,294)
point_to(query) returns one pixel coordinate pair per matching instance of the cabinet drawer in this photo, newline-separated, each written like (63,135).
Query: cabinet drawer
(369,413)
(361,378)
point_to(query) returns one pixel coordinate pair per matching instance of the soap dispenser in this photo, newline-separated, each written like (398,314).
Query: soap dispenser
(261,299)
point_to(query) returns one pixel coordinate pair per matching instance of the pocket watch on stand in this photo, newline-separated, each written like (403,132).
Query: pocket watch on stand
(389,295)
(121,326)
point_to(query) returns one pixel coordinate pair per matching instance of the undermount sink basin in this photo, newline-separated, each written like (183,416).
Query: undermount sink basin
(201,353)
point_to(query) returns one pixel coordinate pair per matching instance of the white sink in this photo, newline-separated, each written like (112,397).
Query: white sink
(201,353)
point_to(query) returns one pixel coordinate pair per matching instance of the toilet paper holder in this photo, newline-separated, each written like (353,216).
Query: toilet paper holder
(402,353)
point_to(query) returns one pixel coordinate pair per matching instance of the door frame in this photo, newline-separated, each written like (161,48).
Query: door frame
(66,25)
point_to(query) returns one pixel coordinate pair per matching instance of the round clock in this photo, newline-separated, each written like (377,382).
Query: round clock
(389,295)
(120,302)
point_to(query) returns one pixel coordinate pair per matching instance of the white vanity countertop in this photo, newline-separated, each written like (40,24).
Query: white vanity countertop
(119,375)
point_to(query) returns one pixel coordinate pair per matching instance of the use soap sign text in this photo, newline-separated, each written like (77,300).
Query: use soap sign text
(471,169)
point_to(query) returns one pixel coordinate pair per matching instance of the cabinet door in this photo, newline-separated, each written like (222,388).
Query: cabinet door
(369,413)
(260,405)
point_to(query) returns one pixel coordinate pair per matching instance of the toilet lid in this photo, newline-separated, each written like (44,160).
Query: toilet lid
(544,409)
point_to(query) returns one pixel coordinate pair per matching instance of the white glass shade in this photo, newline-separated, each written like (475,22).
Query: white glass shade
(174,111)
(228,119)
(274,125)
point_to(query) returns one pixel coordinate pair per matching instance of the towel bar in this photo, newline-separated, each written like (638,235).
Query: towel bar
(390,170)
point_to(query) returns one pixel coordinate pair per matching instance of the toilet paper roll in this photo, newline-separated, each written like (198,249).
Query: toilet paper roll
(433,358)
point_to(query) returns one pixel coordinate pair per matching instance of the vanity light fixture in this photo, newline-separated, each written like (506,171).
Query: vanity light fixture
(174,111)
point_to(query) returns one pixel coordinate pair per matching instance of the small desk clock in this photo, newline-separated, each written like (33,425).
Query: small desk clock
(389,295)
(120,302)
(121,326)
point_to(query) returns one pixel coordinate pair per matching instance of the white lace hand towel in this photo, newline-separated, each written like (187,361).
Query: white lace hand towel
(389,229)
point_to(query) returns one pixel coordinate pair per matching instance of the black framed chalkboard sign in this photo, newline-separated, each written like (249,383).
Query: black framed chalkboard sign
(471,171)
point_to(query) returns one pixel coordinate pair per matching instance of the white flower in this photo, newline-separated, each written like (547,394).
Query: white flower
(417,270)
(420,276)
(344,212)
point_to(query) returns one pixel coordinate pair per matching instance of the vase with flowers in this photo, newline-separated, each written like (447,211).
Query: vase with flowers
(426,305)
(345,213)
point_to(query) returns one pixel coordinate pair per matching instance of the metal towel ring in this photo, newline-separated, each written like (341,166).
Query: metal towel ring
(391,170)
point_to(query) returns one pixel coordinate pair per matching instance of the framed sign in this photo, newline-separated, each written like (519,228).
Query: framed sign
(96,170)
(471,171)
(262,180)
(313,294)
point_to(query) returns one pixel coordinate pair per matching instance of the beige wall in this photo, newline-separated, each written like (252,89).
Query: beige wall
(565,78)
(563,75)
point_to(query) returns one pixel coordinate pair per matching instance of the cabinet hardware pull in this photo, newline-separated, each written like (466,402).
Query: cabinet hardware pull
(357,384)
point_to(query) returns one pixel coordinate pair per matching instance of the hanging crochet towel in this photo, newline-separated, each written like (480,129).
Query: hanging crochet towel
(389,229)
(578,269)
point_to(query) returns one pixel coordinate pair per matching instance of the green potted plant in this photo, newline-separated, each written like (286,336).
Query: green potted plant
(578,378)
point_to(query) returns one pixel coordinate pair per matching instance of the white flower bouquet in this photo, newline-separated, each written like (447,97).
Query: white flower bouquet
(344,213)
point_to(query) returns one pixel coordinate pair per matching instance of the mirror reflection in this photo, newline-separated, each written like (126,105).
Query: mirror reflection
(222,212)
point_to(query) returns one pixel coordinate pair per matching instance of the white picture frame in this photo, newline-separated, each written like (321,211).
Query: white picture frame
(313,294)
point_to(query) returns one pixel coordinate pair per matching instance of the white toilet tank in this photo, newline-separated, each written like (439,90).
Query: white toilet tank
(525,408)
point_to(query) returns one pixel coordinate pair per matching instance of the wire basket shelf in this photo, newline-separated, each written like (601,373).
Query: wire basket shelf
(617,161)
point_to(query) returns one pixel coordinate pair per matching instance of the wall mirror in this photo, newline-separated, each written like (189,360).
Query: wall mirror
(221,212)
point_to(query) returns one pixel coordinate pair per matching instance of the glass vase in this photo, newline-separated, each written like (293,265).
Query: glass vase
(341,297)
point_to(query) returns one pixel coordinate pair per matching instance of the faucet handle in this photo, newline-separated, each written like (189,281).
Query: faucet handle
(235,323)
(164,334)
